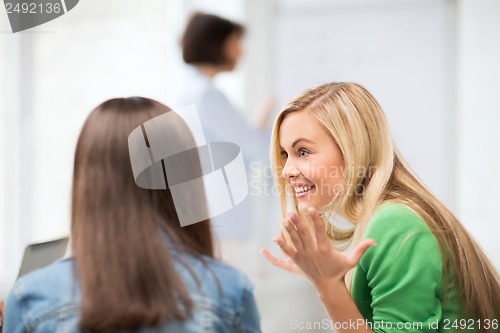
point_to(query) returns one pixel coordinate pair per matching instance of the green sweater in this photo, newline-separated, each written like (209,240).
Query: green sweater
(398,284)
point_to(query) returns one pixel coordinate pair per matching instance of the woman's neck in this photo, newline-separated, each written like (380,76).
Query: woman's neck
(209,70)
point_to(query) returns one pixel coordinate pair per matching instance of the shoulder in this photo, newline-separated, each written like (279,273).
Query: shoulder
(222,268)
(221,290)
(56,276)
(390,220)
(44,293)
(214,273)
(401,236)
(214,98)
(238,278)
(401,278)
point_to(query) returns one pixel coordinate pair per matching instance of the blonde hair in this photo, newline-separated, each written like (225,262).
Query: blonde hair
(355,120)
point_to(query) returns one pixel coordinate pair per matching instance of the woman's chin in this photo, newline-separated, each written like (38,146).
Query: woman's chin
(303,205)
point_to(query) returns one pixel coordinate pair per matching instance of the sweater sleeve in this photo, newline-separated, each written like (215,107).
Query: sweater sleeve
(403,273)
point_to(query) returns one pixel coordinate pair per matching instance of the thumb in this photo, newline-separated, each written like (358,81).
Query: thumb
(356,254)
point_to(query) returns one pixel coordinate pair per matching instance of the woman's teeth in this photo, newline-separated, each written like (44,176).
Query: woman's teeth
(302,189)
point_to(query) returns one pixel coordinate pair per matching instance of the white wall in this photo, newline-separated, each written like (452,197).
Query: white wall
(55,75)
(478,135)
(3,147)
(385,46)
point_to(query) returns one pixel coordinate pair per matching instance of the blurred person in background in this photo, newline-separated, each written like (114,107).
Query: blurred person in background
(133,267)
(212,45)
(333,154)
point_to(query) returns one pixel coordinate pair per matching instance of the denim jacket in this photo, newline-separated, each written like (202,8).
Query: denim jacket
(48,300)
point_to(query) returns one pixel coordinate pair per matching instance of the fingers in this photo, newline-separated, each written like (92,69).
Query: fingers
(271,259)
(283,252)
(274,261)
(356,254)
(301,226)
(319,227)
(283,264)
(300,233)
(288,250)
(296,235)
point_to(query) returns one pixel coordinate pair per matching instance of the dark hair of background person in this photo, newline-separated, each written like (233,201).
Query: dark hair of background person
(126,272)
(204,39)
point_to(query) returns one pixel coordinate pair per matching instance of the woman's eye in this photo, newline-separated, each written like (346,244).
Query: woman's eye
(303,153)
(284,155)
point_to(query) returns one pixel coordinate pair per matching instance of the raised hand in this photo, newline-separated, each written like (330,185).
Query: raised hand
(314,255)
(287,264)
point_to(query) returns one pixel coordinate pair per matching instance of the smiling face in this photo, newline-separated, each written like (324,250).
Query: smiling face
(313,163)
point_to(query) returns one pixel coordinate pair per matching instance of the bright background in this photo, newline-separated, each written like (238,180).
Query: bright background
(434,65)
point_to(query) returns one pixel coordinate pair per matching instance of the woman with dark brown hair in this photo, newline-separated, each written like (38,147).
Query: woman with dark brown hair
(133,266)
(211,45)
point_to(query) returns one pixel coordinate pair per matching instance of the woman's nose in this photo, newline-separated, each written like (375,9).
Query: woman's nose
(290,170)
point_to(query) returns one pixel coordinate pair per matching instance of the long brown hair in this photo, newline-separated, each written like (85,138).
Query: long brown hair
(118,230)
(355,120)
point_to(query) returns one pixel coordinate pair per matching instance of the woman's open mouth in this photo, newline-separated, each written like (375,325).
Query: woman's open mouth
(302,190)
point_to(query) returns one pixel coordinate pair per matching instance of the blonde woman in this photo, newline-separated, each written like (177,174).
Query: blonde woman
(333,154)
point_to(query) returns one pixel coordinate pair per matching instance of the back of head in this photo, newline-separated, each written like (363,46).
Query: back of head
(118,229)
(204,38)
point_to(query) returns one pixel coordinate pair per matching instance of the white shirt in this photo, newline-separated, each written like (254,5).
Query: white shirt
(221,122)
